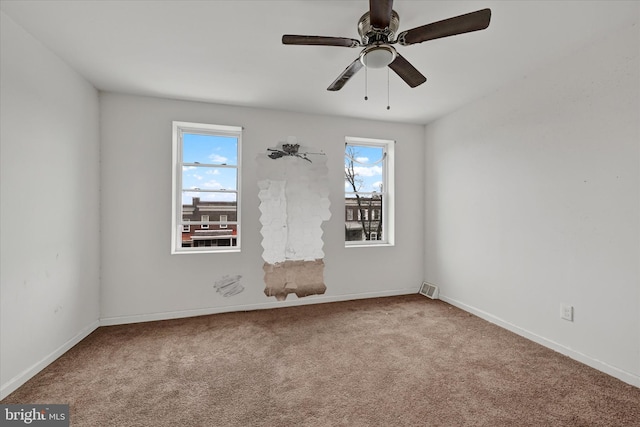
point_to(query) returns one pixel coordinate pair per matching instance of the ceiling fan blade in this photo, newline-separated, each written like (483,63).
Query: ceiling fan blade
(407,72)
(319,41)
(474,21)
(343,78)
(380,13)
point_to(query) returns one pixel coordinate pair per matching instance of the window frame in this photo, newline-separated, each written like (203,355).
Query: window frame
(180,128)
(388,194)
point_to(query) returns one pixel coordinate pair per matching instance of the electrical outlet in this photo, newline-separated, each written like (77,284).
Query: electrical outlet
(566,312)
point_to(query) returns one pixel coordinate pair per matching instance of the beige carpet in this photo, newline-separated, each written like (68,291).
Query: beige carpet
(398,361)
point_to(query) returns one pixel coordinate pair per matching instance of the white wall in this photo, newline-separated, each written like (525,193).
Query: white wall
(142,281)
(49,207)
(532,200)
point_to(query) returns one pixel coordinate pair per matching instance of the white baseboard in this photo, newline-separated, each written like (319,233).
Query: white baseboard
(26,375)
(13,384)
(615,372)
(313,299)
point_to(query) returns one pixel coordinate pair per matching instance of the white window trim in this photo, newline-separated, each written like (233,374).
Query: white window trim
(178,128)
(388,202)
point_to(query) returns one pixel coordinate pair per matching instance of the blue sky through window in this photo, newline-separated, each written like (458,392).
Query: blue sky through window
(368,167)
(209,150)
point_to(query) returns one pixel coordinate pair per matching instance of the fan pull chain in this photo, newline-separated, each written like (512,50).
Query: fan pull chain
(365,84)
(388,102)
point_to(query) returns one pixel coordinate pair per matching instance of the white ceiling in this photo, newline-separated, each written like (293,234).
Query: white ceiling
(230,52)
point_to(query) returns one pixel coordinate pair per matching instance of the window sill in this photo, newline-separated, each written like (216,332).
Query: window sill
(207,251)
(369,245)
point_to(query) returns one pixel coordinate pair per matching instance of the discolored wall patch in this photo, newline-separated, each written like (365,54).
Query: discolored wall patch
(228,286)
(302,278)
(294,202)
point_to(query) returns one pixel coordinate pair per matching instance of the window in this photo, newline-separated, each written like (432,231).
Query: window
(206,187)
(368,189)
(204,219)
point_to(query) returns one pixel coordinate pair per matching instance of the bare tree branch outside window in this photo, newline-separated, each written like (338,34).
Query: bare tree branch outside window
(368,196)
(355,182)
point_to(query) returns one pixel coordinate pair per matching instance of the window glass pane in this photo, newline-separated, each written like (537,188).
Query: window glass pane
(365,173)
(228,209)
(204,178)
(213,210)
(366,163)
(198,205)
(209,149)
(198,197)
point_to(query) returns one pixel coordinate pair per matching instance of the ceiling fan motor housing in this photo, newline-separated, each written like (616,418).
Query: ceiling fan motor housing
(370,34)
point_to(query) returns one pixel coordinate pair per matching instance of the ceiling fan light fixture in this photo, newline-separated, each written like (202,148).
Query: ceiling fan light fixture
(378,56)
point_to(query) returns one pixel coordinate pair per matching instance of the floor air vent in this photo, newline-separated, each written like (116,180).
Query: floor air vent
(429,290)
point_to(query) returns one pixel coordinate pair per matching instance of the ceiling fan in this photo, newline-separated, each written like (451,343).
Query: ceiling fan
(377,29)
